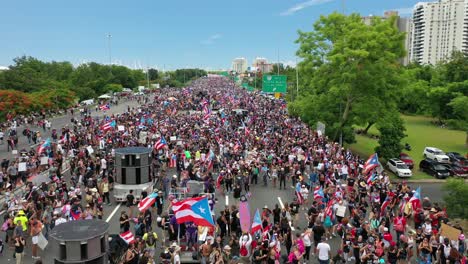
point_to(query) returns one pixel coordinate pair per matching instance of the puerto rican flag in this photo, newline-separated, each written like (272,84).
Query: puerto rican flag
(161,143)
(128,237)
(173,161)
(196,210)
(257,223)
(318,193)
(329,208)
(372,178)
(104,107)
(43,146)
(415,200)
(147,202)
(371,163)
(300,199)
(108,126)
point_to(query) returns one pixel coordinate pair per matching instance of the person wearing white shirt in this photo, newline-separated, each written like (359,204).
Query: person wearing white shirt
(323,252)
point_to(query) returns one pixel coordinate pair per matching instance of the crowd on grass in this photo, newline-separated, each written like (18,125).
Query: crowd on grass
(229,139)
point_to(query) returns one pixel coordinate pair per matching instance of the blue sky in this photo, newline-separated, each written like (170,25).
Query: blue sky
(166,34)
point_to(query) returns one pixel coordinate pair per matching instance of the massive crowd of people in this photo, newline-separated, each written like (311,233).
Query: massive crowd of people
(228,139)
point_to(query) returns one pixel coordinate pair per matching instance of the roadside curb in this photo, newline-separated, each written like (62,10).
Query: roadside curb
(423,181)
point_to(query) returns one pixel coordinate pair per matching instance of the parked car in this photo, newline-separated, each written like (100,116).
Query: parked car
(434,168)
(407,160)
(456,170)
(399,168)
(455,156)
(435,154)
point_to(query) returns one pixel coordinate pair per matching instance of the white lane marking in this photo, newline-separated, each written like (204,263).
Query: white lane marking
(281,202)
(282,207)
(113,213)
(227,200)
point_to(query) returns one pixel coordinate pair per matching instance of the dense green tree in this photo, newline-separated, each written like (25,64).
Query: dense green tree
(456,198)
(392,131)
(153,74)
(346,66)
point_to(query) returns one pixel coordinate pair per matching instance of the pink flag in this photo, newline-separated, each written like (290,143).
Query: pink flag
(244,215)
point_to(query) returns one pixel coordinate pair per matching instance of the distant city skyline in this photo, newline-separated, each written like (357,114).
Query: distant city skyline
(205,34)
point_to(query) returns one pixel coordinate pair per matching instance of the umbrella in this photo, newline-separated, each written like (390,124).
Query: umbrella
(172,98)
(104,96)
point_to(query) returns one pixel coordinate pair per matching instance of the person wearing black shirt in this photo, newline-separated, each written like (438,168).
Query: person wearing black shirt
(222,224)
(159,203)
(19,248)
(130,202)
(276,214)
(237,191)
(318,231)
(258,256)
(124,222)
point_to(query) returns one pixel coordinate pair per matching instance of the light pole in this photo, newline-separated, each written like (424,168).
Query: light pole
(109,36)
(297,79)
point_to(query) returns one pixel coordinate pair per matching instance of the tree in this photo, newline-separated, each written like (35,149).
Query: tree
(113,87)
(392,131)
(459,107)
(348,65)
(153,74)
(456,198)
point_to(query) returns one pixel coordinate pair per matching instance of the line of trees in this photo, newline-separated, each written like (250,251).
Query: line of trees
(350,75)
(33,85)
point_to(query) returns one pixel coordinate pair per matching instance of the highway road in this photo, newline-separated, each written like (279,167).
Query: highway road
(261,196)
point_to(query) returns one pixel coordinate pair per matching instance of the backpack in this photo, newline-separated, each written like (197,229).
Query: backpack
(243,250)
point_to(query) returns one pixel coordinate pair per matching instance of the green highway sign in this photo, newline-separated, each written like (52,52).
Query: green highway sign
(275,84)
(224,73)
(248,87)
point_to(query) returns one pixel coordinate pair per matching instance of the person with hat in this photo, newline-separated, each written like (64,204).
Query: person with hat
(150,238)
(206,249)
(226,254)
(21,220)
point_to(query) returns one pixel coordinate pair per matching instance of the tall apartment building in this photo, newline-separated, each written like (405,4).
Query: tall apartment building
(262,65)
(438,29)
(239,65)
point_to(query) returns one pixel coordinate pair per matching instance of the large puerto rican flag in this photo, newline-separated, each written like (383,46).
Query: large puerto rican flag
(108,126)
(147,202)
(257,223)
(371,163)
(196,210)
(160,143)
(128,237)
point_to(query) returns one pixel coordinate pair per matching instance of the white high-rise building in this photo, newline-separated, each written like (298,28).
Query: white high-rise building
(239,65)
(438,29)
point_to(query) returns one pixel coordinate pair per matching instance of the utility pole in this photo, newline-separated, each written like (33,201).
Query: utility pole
(147,77)
(297,79)
(109,36)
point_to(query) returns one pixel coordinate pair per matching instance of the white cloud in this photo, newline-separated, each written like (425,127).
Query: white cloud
(404,11)
(300,6)
(211,39)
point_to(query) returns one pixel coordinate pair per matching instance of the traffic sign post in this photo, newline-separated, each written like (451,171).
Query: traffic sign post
(275,84)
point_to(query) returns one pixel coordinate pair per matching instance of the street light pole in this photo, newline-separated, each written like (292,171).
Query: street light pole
(297,79)
(109,36)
